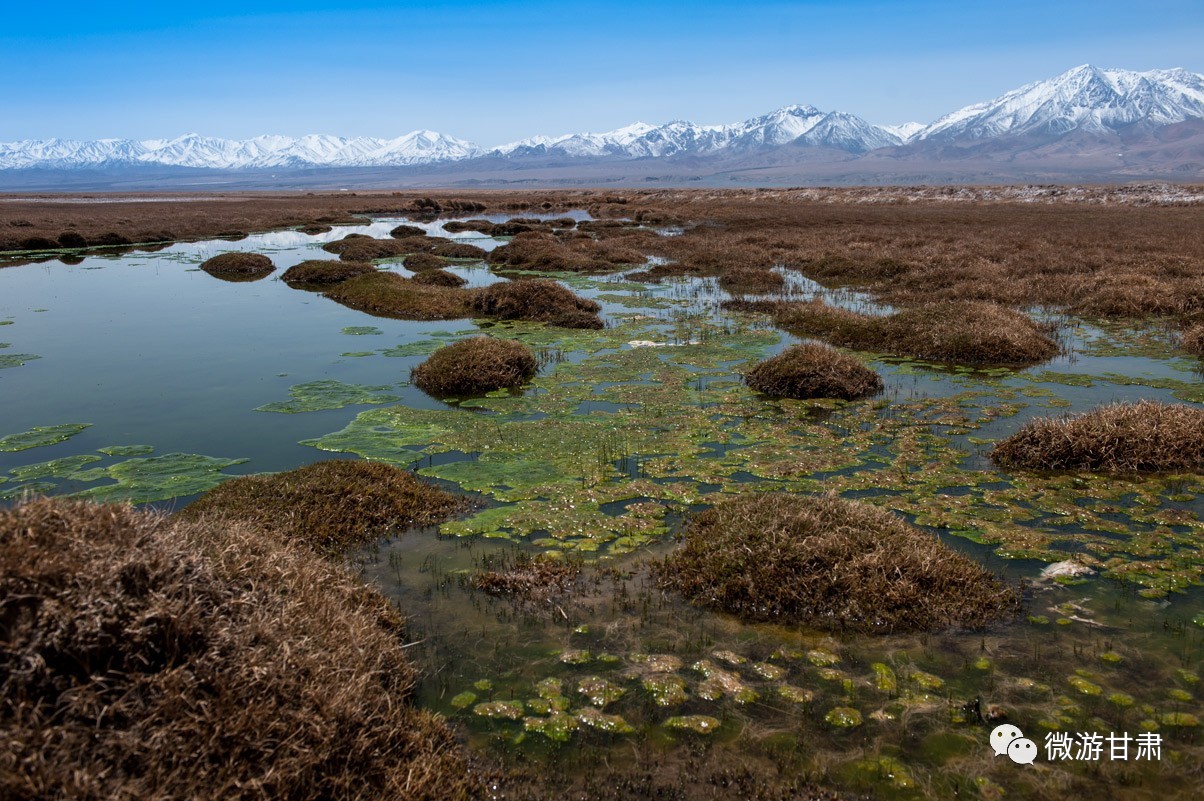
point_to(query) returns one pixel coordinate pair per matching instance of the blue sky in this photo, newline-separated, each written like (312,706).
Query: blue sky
(493,72)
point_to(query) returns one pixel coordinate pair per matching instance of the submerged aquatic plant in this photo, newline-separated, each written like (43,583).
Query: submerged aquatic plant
(830,563)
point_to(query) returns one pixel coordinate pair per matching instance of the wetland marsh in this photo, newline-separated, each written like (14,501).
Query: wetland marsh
(141,377)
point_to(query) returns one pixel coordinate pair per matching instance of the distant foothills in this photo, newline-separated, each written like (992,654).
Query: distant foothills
(1087,124)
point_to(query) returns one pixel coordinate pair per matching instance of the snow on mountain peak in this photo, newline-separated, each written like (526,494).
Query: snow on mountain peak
(1083,98)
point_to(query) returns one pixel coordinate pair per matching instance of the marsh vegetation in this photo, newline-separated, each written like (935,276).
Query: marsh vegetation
(863,582)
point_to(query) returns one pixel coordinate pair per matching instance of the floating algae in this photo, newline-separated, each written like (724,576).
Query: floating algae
(317,396)
(599,691)
(557,727)
(464,700)
(421,347)
(40,436)
(55,468)
(611,724)
(32,488)
(843,717)
(699,724)
(361,330)
(499,710)
(666,690)
(126,450)
(16,359)
(156,478)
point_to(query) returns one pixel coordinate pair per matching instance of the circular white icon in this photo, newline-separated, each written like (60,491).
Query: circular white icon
(1002,736)
(1023,751)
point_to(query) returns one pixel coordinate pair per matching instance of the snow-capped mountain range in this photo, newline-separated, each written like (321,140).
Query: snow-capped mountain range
(1086,99)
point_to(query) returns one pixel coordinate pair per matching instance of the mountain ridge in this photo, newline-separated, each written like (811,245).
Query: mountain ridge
(1084,112)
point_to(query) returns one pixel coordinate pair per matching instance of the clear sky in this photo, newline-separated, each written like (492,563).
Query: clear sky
(494,72)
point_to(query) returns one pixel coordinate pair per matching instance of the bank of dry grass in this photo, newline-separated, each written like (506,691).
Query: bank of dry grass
(813,371)
(244,266)
(1146,436)
(386,294)
(751,281)
(959,332)
(330,506)
(439,278)
(324,272)
(474,366)
(146,657)
(829,563)
(537,300)
(545,252)
(1193,339)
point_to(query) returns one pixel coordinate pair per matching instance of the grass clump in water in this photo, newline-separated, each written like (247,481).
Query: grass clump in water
(1146,436)
(330,506)
(813,371)
(475,365)
(390,295)
(239,266)
(420,262)
(537,300)
(1193,339)
(830,563)
(323,272)
(146,656)
(752,281)
(960,332)
(439,278)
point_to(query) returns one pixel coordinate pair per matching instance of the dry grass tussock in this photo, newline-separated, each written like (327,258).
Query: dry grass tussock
(386,294)
(439,278)
(145,657)
(419,262)
(538,300)
(829,563)
(951,331)
(1146,436)
(475,365)
(238,265)
(330,506)
(813,371)
(751,281)
(1193,339)
(323,272)
(545,252)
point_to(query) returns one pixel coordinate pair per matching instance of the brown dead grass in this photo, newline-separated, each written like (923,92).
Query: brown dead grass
(547,253)
(829,563)
(458,250)
(330,506)
(145,657)
(532,578)
(362,248)
(537,300)
(813,371)
(418,262)
(958,332)
(386,294)
(439,278)
(474,366)
(239,265)
(324,272)
(1193,339)
(403,231)
(752,281)
(1146,436)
